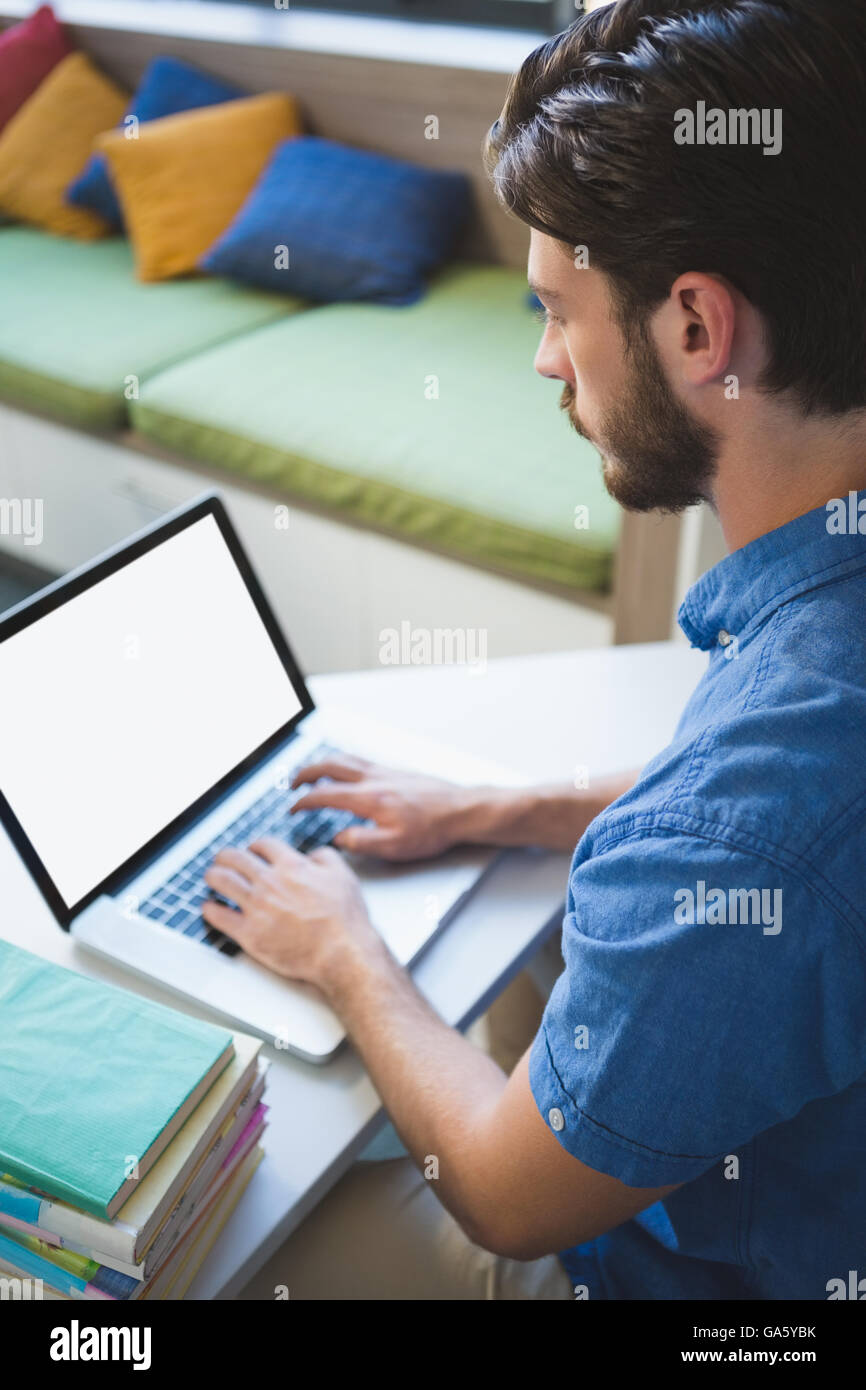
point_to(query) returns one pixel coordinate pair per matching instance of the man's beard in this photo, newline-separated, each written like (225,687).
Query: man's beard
(654,453)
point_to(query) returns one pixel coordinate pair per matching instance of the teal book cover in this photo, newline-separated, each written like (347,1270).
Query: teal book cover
(93,1080)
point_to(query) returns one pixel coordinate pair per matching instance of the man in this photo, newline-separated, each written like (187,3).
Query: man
(690,1121)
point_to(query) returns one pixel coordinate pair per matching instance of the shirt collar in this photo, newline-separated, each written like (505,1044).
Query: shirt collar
(747,586)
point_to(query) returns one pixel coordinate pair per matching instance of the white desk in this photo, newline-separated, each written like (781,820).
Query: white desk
(606,710)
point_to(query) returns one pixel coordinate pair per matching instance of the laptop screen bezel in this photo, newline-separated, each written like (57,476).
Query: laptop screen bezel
(78,582)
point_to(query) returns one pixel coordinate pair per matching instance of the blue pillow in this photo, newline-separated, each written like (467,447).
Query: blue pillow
(352,225)
(167,87)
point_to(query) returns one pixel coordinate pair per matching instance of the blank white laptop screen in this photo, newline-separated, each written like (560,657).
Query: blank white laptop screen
(130,701)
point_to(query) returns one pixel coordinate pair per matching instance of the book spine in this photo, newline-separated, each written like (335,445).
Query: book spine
(94,1275)
(34,1266)
(207,1161)
(25,1211)
(203,1196)
(79,1231)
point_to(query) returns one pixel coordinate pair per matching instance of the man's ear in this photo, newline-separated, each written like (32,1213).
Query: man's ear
(704,316)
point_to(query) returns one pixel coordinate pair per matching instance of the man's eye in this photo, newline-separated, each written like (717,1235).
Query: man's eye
(544,316)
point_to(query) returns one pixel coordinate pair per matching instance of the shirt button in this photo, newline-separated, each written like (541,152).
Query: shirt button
(725,638)
(556,1119)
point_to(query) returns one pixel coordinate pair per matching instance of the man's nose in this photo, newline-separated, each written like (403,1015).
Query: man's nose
(552,361)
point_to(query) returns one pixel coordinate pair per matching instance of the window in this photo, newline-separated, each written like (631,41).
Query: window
(545,16)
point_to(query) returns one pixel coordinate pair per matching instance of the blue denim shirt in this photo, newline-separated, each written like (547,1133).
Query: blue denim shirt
(710,1026)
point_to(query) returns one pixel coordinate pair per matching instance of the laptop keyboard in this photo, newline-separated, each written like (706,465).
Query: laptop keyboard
(178,902)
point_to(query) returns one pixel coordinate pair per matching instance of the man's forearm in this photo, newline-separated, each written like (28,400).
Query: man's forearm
(439,1090)
(442,1094)
(476,1134)
(551,817)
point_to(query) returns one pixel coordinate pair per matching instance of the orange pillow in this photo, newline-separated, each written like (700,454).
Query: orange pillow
(50,137)
(183,179)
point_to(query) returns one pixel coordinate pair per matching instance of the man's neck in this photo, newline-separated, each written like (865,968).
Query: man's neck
(773,475)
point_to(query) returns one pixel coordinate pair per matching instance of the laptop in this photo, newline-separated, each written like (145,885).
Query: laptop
(153,713)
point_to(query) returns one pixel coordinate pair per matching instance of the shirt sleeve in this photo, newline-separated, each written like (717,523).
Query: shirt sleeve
(708,994)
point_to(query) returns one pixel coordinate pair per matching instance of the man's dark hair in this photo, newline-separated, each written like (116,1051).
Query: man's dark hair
(584,151)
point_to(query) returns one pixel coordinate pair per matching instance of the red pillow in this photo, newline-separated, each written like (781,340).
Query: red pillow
(28,52)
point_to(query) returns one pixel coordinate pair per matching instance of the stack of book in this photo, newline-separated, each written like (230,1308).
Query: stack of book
(128,1133)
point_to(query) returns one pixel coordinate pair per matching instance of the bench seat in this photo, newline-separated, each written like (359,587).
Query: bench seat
(426,421)
(76,326)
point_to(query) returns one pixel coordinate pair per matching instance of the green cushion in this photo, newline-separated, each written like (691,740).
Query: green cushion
(338,406)
(75,324)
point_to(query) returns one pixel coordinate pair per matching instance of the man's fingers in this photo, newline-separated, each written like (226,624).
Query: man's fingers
(341,798)
(342,769)
(367,839)
(247,865)
(275,851)
(325,855)
(228,884)
(224,919)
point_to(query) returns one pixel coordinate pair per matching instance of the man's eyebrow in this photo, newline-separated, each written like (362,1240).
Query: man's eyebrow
(541,292)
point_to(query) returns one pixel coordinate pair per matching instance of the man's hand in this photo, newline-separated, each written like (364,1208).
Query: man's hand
(414,817)
(302,915)
(418,817)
